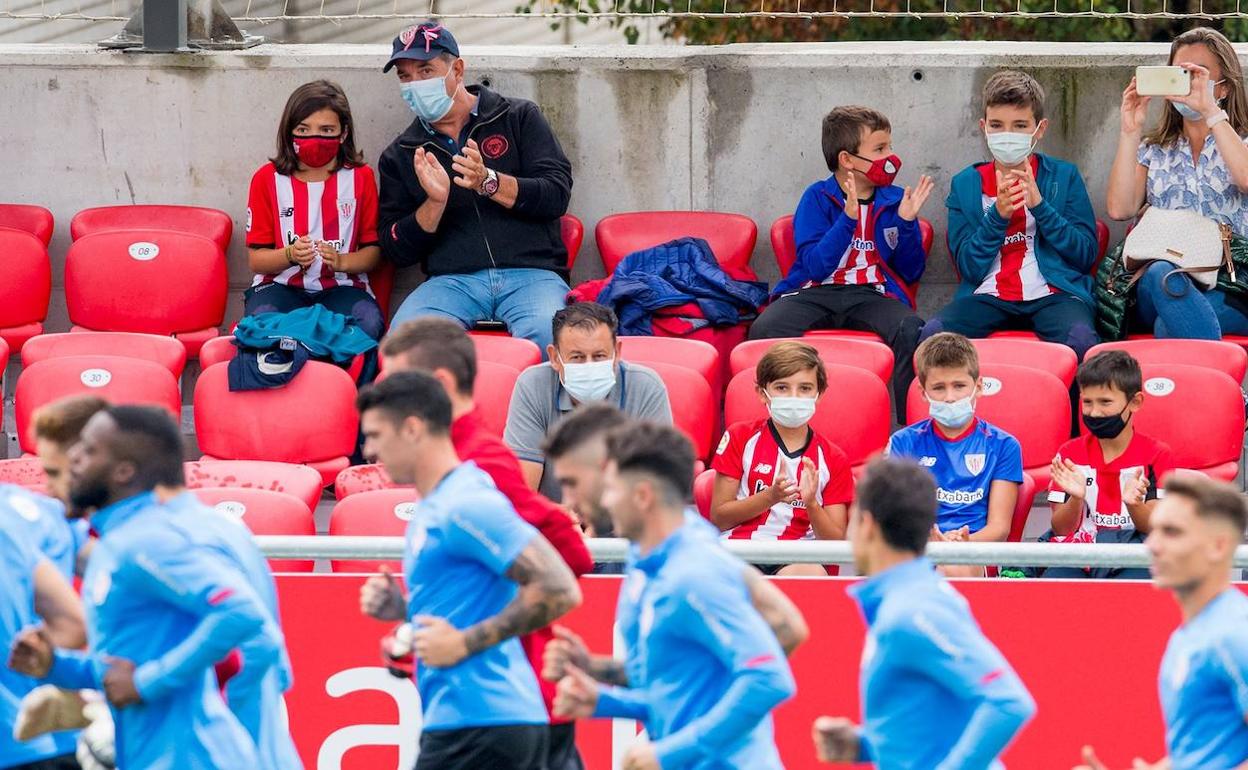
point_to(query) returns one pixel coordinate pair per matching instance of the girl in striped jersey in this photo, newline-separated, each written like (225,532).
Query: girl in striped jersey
(312,215)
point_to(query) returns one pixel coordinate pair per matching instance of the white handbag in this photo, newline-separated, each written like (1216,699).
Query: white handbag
(1197,246)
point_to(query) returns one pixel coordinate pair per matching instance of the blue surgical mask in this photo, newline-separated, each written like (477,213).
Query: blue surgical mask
(1187,113)
(790,411)
(952,415)
(428,98)
(590,381)
(1010,148)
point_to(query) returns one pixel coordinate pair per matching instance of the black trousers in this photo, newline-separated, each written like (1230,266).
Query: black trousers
(859,308)
(500,747)
(563,753)
(64,762)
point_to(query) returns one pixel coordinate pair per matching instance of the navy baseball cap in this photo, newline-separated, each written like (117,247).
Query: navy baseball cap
(422,43)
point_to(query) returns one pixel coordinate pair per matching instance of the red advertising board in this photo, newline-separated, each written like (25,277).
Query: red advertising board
(1088,651)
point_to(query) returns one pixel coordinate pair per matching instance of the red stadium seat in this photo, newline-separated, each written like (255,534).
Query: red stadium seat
(703,490)
(218,350)
(165,351)
(1198,412)
(1225,357)
(25,472)
(381,281)
(1102,244)
(848,351)
(694,410)
(860,431)
(572,231)
(311,420)
(113,378)
(213,224)
(492,394)
(784,246)
(35,220)
(1022,509)
(28,287)
(364,478)
(1030,404)
(731,236)
(299,481)
(265,513)
(701,357)
(516,352)
(381,512)
(1058,360)
(149,281)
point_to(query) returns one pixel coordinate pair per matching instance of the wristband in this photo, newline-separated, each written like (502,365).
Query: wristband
(289,258)
(1216,119)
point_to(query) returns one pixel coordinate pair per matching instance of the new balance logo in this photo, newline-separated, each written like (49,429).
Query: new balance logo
(290,212)
(927,462)
(762,468)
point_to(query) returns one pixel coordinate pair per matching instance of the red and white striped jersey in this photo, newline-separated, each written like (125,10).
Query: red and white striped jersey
(860,264)
(1015,275)
(1104,508)
(341,211)
(752,453)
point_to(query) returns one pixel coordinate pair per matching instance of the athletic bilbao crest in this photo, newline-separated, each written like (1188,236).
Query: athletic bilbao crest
(407,36)
(346,209)
(494,147)
(975,464)
(891,237)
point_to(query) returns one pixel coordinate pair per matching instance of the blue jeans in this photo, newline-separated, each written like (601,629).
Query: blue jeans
(1179,310)
(523,298)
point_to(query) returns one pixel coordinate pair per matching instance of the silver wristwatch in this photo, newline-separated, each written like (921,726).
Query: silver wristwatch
(489,185)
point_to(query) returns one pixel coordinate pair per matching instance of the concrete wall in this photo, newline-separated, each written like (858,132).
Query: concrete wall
(733,128)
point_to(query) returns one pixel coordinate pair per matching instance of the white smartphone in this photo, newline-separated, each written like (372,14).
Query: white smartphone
(1162,81)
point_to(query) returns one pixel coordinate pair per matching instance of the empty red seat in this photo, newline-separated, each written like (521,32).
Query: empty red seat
(860,431)
(869,354)
(572,232)
(784,246)
(730,236)
(694,410)
(364,478)
(213,224)
(1198,412)
(1225,357)
(165,351)
(299,481)
(701,357)
(492,394)
(703,491)
(378,513)
(218,350)
(516,352)
(27,287)
(149,281)
(265,513)
(1056,359)
(310,421)
(113,378)
(25,472)
(35,220)
(1030,404)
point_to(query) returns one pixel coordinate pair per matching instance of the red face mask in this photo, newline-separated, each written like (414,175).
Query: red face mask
(883,171)
(316,151)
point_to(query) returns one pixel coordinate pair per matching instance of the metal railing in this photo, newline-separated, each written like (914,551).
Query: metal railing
(803,552)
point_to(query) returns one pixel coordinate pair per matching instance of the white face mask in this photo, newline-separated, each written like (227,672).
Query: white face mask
(1009,148)
(790,411)
(952,415)
(590,381)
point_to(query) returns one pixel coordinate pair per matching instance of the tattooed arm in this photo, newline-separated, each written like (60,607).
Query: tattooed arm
(547,591)
(568,650)
(778,611)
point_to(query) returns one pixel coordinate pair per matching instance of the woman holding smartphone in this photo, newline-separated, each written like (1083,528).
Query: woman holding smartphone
(312,215)
(1194,159)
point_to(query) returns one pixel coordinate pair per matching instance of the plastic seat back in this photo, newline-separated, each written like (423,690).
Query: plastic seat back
(703,491)
(311,419)
(1056,359)
(693,407)
(216,351)
(115,379)
(166,351)
(1225,357)
(1022,508)
(150,281)
(213,224)
(492,394)
(28,279)
(377,513)
(860,353)
(731,236)
(24,472)
(265,513)
(289,478)
(364,478)
(701,357)
(572,232)
(516,352)
(35,220)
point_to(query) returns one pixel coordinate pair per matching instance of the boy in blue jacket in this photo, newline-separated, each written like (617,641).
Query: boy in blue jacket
(858,245)
(1021,230)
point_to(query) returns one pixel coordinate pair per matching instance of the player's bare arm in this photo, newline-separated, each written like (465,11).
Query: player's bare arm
(780,613)
(548,590)
(569,649)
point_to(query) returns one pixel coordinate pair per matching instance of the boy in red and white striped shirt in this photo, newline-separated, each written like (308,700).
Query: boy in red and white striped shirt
(776,479)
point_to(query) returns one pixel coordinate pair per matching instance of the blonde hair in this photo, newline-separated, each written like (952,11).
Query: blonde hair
(946,351)
(1170,128)
(61,422)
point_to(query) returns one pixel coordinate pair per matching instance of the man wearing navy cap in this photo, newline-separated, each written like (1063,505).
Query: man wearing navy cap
(472,192)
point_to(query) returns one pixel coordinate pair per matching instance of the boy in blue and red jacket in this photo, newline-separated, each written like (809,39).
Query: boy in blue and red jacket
(1021,230)
(858,244)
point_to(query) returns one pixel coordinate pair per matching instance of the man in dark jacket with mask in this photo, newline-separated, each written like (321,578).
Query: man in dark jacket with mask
(473,191)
